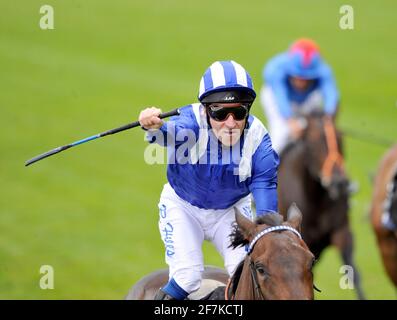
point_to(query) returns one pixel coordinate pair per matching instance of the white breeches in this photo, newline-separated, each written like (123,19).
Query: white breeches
(183,229)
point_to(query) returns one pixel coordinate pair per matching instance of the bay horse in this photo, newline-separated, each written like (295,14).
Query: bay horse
(278,264)
(312,175)
(385,198)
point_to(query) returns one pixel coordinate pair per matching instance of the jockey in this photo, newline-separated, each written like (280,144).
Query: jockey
(297,83)
(218,154)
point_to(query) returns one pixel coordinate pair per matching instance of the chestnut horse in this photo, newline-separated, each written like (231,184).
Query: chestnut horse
(312,175)
(278,264)
(385,198)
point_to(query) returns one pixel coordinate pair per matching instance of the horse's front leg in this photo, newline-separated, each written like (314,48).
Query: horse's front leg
(343,240)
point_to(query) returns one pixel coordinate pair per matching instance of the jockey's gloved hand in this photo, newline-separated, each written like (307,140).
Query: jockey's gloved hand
(149,118)
(296,127)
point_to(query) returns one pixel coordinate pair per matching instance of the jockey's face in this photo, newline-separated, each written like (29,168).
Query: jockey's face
(300,84)
(229,130)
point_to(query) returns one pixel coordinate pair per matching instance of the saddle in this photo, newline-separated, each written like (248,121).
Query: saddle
(209,290)
(216,290)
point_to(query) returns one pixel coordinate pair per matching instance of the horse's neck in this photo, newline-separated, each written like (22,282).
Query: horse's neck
(293,155)
(294,161)
(295,174)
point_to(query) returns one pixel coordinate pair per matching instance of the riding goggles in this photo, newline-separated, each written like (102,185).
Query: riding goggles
(220,113)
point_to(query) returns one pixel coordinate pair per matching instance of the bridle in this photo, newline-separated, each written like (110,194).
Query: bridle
(250,247)
(334,157)
(256,287)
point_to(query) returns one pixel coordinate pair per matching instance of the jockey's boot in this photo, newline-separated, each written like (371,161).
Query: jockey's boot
(161,295)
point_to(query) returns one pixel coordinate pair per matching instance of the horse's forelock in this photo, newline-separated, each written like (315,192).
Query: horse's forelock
(237,237)
(270,219)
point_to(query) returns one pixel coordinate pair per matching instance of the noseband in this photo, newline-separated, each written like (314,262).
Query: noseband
(251,245)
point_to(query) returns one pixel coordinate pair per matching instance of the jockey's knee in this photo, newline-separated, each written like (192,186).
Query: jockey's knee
(231,268)
(232,262)
(189,278)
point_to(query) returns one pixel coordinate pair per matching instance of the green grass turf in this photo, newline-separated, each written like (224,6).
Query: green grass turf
(91,212)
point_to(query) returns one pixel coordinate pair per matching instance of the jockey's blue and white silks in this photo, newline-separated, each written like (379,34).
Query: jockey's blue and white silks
(276,73)
(223,75)
(214,176)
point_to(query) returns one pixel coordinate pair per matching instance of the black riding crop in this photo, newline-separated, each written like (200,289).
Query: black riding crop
(99,135)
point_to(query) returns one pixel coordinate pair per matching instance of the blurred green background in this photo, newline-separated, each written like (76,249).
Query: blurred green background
(91,212)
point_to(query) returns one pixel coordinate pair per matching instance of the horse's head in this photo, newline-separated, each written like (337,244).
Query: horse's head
(278,264)
(323,154)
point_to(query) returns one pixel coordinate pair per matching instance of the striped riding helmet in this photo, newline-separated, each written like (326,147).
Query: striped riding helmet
(304,59)
(226,82)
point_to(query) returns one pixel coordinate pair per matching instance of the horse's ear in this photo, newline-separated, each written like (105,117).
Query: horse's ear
(294,217)
(246,226)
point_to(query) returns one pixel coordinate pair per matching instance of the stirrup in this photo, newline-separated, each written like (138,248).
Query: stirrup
(161,295)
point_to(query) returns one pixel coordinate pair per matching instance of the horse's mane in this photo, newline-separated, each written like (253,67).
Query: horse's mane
(270,219)
(289,147)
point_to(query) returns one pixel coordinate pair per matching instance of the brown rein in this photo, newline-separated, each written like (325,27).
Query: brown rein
(334,157)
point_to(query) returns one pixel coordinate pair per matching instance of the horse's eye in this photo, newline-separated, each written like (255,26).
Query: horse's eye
(261,270)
